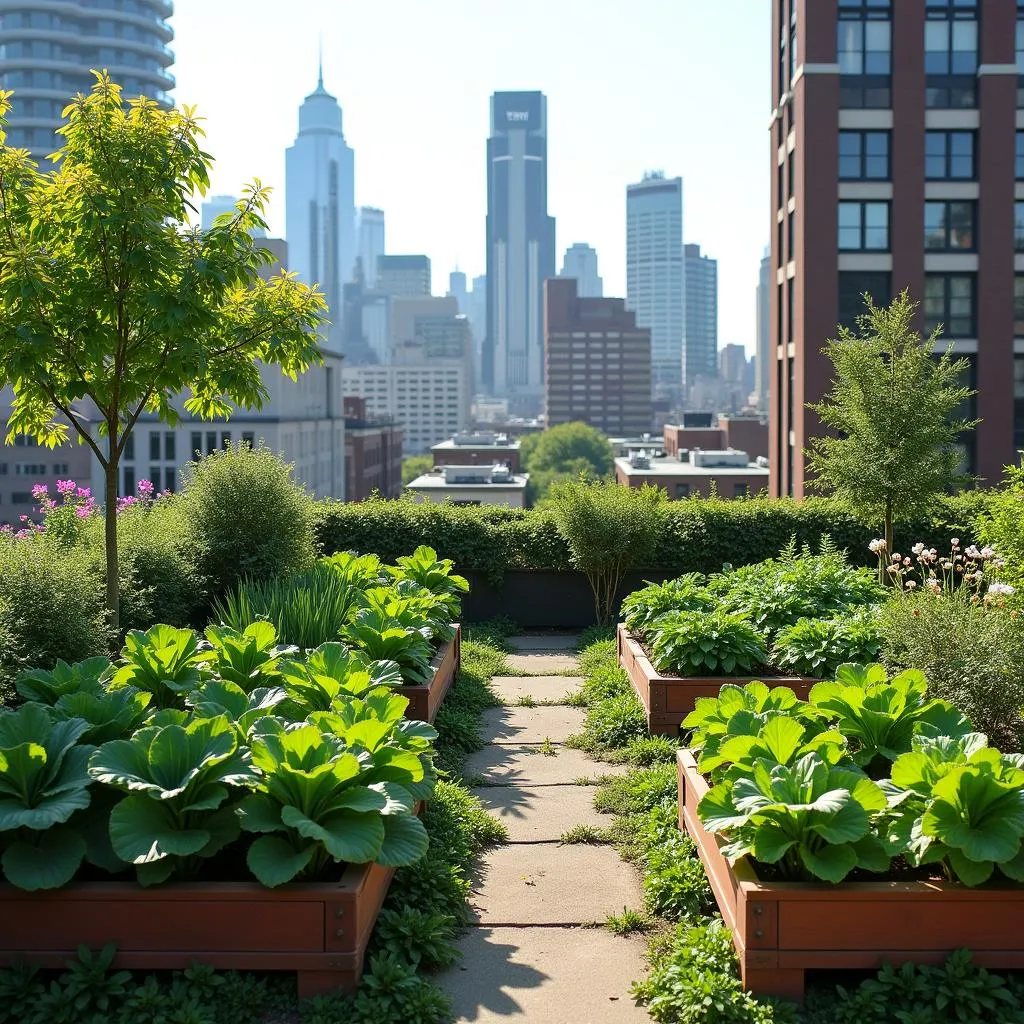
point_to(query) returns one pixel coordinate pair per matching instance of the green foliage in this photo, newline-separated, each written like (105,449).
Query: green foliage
(599,653)
(414,466)
(707,644)
(972,655)
(629,922)
(51,607)
(563,453)
(642,608)
(817,647)
(433,574)
(609,530)
(650,750)
(250,657)
(1000,524)
(892,418)
(98,240)
(611,724)
(382,636)
(637,792)
(164,661)
(246,518)
(593,634)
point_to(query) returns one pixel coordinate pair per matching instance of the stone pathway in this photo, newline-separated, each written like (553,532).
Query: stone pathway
(538,950)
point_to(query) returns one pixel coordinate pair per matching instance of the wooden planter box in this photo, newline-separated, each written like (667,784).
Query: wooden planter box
(782,929)
(669,699)
(321,931)
(426,698)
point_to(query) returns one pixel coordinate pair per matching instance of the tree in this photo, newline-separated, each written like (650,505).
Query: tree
(414,466)
(564,453)
(108,297)
(892,407)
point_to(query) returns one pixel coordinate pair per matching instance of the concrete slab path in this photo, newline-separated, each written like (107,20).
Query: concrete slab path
(534,953)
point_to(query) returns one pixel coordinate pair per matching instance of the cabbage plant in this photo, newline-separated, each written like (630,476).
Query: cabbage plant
(381,637)
(435,575)
(250,657)
(164,661)
(329,674)
(47,686)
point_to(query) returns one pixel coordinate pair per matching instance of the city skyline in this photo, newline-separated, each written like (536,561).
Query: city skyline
(421,150)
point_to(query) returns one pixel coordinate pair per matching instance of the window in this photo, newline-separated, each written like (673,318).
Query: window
(1018,402)
(197,443)
(864,226)
(682,490)
(951,53)
(740,490)
(1018,306)
(949,226)
(1020,157)
(967,442)
(129,481)
(154,446)
(248,437)
(949,303)
(170,447)
(853,285)
(211,442)
(3,469)
(129,448)
(154,476)
(170,479)
(1019,47)
(949,156)
(864,156)
(864,44)
(60,469)
(21,498)
(225,439)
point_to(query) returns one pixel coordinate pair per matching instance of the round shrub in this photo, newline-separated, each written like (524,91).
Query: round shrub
(706,643)
(817,647)
(246,517)
(643,607)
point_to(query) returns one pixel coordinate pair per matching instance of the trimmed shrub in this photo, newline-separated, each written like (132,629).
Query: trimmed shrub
(246,517)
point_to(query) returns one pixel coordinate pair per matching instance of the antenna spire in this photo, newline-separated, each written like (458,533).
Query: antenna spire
(320,64)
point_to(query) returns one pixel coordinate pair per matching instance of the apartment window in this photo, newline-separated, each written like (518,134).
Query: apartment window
(864,156)
(864,46)
(170,447)
(21,498)
(1018,402)
(1018,306)
(949,226)
(129,448)
(949,156)
(854,285)
(791,235)
(740,490)
(949,303)
(864,226)
(3,469)
(951,54)
(791,172)
(249,438)
(682,490)
(1019,47)
(197,443)
(60,469)
(1020,157)
(211,442)
(154,476)
(225,439)
(154,446)
(129,481)
(170,479)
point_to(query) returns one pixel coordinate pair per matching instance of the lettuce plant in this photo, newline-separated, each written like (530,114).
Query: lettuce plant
(248,658)
(47,686)
(219,697)
(179,780)
(108,714)
(360,571)
(810,819)
(43,782)
(408,604)
(818,647)
(380,637)
(330,674)
(706,644)
(642,608)
(433,574)
(164,661)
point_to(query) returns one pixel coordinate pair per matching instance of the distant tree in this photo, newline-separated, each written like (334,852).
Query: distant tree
(108,298)
(414,466)
(562,454)
(892,407)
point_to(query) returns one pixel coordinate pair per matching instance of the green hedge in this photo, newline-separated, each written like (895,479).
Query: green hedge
(699,535)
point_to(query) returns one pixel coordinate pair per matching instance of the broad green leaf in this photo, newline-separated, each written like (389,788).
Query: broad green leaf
(274,861)
(830,863)
(47,863)
(349,836)
(405,841)
(143,830)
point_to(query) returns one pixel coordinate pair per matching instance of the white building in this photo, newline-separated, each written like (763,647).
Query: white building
(763,360)
(371,242)
(580,262)
(320,212)
(428,396)
(700,341)
(655,273)
(471,485)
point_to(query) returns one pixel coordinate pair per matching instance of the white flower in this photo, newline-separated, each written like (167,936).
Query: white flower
(956,542)
(973,552)
(911,584)
(918,548)
(877,546)
(988,552)
(934,586)
(1001,589)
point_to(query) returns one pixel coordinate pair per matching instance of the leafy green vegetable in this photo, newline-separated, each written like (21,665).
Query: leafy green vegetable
(249,658)
(380,637)
(706,643)
(109,714)
(643,607)
(47,686)
(331,672)
(818,647)
(164,661)
(435,575)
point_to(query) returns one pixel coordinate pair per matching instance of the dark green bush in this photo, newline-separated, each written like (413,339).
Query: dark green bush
(817,647)
(246,517)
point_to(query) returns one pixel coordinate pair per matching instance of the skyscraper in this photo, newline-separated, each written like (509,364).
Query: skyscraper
(371,242)
(47,51)
(763,362)
(655,273)
(403,275)
(700,342)
(897,162)
(320,213)
(580,262)
(520,249)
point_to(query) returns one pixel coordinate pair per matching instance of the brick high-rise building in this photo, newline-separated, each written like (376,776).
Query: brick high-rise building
(597,362)
(897,161)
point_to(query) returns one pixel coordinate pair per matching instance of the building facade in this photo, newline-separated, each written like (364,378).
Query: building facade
(471,485)
(403,275)
(47,51)
(520,249)
(580,262)
(373,454)
(727,473)
(763,355)
(597,362)
(477,449)
(700,339)
(320,212)
(897,161)
(370,242)
(655,273)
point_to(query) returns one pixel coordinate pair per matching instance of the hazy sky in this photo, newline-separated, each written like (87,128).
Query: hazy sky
(676,85)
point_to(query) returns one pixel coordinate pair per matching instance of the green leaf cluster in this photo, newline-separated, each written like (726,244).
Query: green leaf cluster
(707,644)
(817,647)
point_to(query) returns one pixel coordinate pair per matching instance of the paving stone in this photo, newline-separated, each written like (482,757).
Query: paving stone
(542,664)
(511,688)
(550,643)
(551,884)
(525,765)
(542,813)
(545,976)
(516,726)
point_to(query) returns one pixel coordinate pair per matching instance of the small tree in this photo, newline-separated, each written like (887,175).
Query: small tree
(609,529)
(107,297)
(563,453)
(892,407)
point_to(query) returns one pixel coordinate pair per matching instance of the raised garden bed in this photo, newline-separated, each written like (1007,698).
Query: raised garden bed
(426,698)
(667,700)
(320,930)
(783,929)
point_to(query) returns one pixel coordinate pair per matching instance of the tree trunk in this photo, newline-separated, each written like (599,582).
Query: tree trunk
(110,523)
(888,544)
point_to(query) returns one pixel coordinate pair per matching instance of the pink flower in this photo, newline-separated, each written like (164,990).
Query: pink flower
(40,491)
(66,487)
(145,488)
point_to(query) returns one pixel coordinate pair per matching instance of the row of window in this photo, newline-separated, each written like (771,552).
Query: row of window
(35,469)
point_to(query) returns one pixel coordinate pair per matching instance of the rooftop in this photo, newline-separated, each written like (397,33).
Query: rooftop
(479,440)
(663,467)
(470,477)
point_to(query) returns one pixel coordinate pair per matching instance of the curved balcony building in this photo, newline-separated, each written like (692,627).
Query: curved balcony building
(48,49)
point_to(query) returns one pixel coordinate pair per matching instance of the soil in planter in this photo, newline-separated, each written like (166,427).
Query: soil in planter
(899,871)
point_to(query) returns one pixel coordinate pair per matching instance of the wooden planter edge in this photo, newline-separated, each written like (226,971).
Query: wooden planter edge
(426,698)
